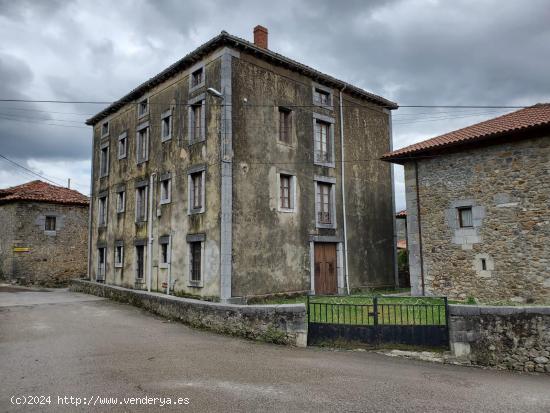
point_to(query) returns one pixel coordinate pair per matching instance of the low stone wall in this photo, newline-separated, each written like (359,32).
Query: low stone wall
(515,338)
(280,324)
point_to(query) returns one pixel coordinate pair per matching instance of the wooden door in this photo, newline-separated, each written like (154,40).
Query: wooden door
(325,269)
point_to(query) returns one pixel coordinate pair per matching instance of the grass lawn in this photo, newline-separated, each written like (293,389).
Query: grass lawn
(359,309)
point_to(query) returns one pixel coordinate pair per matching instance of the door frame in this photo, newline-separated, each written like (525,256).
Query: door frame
(339,262)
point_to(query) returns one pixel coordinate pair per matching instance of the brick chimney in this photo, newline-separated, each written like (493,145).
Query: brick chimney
(260,36)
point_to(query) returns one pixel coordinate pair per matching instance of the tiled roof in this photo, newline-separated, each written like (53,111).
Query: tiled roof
(225,39)
(401,214)
(518,121)
(39,191)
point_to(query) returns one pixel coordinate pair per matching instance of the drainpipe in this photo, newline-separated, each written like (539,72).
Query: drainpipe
(419,220)
(150,233)
(346,270)
(395,265)
(90,212)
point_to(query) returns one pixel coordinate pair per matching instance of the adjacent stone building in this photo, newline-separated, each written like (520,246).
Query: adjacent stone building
(44,234)
(223,177)
(478,209)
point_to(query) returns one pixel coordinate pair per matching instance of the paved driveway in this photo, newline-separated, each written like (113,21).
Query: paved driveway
(67,344)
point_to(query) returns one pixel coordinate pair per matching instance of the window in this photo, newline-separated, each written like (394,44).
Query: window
(165,190)
(166,126)
(321,97)
(322,142)
(140,262)
(49,223)
(142,143)
(197,77)
(196,192)
(325,210)
(143,107)
(101,264)
(465,217)
(164,251)
(119,255)
(102,211)
(141,204)
(104,161)
(286,192)
(196,121)
(104,129)
(483,264)
(285,125)
(122,145)
(120,201)
(195,264)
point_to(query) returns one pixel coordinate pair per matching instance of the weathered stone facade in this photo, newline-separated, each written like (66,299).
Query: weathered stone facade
(280,324)
(514,338)
(504,255)
(31,254)
(249,246)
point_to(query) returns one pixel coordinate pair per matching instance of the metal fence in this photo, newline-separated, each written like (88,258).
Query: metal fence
(377,320)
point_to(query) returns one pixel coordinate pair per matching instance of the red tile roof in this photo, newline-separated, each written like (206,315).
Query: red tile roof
(518,121)
(39,191)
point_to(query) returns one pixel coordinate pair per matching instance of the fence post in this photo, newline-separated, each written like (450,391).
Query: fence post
(307,307)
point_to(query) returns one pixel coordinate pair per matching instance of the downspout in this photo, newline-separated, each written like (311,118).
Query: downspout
(342,158)
(419,227)
(395,266)
(150,233)
(90,212)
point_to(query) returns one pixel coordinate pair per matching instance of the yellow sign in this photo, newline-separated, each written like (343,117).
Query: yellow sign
(21,249)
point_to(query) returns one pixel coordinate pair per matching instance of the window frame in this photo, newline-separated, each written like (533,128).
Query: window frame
(140,280)
(291,189)
(331,182)
(197,101)
(317,89)
(49,217)
(139,105)
(165,242)
(139,144)
(191,209)
(285,116)
(120,206)
(143,202)
(104,133)
(123,137)
(104,160)
(119,258)
(192,85)
(102,210)
(168,198)
(462,209)
(194,240)
(163,116)
(329,121)
(101,271)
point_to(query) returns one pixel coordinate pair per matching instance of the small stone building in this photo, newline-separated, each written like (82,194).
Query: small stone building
(239,172)
(478,209)
(44,234)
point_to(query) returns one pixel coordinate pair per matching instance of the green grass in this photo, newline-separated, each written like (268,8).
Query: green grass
(359,309)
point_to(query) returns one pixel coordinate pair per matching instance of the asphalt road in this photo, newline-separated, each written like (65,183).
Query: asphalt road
(67,344)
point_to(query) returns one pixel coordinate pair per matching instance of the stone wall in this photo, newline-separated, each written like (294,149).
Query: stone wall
(280,324)
(515,338)
(29,254)
(505,255)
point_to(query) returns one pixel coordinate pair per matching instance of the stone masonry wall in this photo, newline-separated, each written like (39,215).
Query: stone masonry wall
(49,258)
(280,324)
(515,338)
(505,255)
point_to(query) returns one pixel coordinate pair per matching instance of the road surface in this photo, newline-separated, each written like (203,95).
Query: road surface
(62,344)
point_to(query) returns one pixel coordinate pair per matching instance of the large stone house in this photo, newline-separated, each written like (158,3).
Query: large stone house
(44,234)
(478,209)
(223,177)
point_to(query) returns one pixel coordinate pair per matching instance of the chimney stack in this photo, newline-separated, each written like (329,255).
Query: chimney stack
(260,36)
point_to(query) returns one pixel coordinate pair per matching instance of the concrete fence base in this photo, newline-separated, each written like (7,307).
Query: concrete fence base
(280,324)
(515,338)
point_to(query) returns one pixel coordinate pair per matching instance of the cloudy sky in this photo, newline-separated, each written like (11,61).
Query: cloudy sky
(417,52)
